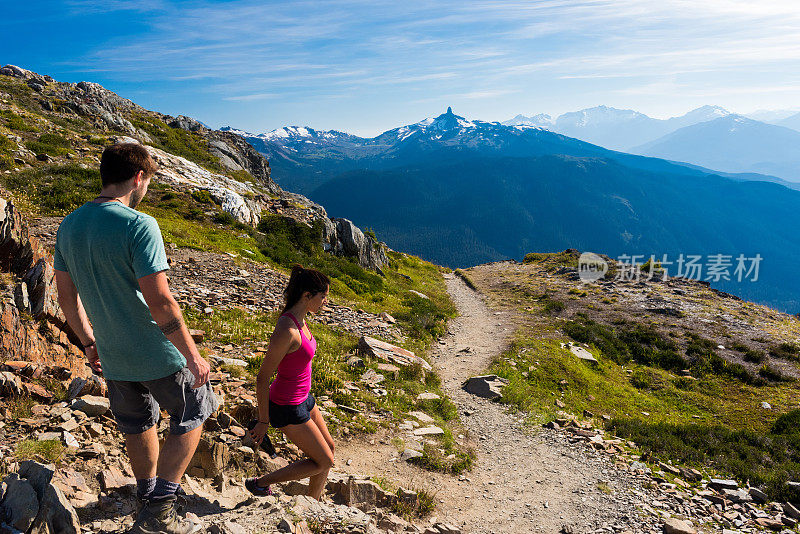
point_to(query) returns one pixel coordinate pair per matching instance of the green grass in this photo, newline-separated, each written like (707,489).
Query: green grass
(433,459)
(765,459)
(634,342)
(16,122)
(20,407)
(6,147)
(54,189)
(713,421)
(786,351)
(51,451)
(551,306)
(50,144)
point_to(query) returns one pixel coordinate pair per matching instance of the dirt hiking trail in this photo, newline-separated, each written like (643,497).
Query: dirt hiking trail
(525,479)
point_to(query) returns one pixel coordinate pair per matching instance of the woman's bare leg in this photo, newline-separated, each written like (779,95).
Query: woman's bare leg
(316,483)
(311,441)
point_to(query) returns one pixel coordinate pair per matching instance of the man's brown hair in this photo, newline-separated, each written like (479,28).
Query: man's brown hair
(122,161)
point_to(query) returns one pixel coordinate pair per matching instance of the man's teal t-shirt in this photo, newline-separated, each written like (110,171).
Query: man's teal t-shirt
(106,248)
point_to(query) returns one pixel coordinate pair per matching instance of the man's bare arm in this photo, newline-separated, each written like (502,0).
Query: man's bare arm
(71,305)
(167,315)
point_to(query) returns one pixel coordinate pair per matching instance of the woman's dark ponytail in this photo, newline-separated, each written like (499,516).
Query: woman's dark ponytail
(300,281)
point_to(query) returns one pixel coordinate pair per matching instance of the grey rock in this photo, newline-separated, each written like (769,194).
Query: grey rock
(92,405)
(56,514)
(224,420)
(486,386)
(676,526)
(737,495)
(355,362)
(758,496)
(21,298)
(186,123)
(20,504)
(227,156)
(582,353)
(38,475)
(791,510)
(376,348)
(720,483)
(408,454)
(343,238)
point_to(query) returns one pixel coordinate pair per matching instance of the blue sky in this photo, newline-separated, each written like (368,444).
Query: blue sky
(367,66)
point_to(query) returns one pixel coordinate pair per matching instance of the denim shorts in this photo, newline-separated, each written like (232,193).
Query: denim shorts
(137,405)
(281,415)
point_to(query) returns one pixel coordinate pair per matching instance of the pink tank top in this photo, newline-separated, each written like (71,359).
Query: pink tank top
(292,383)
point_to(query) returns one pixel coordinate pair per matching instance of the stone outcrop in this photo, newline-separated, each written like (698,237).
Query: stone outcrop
(343,238)
(32,326)
(90,100)
(244,200)
(235,153)
(33,504)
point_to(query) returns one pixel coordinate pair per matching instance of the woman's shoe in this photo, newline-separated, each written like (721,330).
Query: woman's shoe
(252,486)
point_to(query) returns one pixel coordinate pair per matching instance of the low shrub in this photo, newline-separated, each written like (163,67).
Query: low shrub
(766,460)
(50,144)
(57,189)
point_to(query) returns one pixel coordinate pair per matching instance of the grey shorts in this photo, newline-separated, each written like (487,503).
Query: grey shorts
(137,405)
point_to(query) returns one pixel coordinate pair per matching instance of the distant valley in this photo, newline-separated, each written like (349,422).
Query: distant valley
(461,192)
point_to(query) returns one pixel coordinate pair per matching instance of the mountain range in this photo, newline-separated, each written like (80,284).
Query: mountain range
(732,143)
(617,129)
(460,192)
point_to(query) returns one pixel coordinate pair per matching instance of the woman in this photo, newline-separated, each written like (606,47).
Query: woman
(287,404)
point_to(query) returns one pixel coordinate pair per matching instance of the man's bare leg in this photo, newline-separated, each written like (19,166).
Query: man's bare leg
(176,454)
(143,453)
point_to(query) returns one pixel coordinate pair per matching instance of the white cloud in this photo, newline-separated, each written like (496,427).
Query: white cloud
(473,49)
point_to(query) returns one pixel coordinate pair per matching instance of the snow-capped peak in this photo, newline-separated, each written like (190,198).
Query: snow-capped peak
(290,132)
(450,121)
(236,131)
(542,120)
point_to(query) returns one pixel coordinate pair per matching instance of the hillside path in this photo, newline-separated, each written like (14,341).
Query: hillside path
(524,479)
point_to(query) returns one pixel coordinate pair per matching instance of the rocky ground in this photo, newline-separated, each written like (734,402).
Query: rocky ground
(206,280)
(570,477)
(567,478)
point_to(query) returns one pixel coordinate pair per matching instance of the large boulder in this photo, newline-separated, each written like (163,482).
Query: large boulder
(20,504)
(56,514)
(486,386)
(211,456)
(382,350)
(343,238)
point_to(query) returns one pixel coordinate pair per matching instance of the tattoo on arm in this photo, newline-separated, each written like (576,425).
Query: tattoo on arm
(171,327)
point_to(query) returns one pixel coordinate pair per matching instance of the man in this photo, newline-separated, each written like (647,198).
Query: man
(110,263)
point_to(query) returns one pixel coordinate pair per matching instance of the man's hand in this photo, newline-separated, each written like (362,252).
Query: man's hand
(259,431)
(200,369)
(94,359)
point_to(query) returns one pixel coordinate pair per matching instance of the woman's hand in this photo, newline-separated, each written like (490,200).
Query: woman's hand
(259,431)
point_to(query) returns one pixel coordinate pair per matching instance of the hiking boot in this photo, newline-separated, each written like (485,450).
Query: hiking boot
(161,517)
(252,486)
(180,502)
